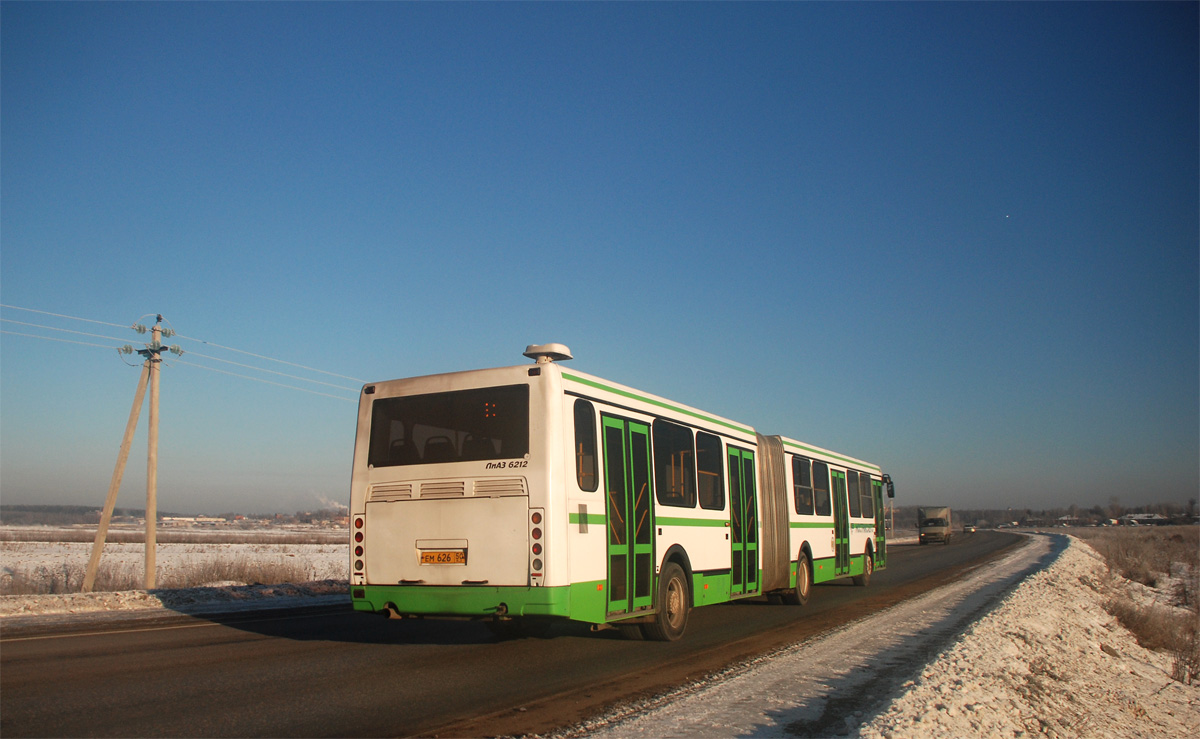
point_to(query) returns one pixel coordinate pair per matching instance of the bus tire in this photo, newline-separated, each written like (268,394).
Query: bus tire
(868,567)
(673,606)
(798,595)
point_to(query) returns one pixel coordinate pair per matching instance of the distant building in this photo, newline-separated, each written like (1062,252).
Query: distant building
(1142,519)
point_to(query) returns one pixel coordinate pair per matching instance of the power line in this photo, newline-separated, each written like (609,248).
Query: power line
(269,359)
(273,372)
(65,341)
(268,382)
(189,338)
(64,330)
(60,315)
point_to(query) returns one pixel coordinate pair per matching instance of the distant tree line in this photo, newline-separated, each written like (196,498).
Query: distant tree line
(71,515)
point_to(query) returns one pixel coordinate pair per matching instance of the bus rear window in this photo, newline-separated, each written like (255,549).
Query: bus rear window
(460,426)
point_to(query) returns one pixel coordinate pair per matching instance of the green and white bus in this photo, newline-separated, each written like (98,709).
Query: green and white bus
(537,492)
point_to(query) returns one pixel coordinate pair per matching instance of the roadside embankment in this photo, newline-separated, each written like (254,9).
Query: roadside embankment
(1021,646)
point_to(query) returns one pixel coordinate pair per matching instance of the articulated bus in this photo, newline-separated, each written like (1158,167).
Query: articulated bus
(534,492)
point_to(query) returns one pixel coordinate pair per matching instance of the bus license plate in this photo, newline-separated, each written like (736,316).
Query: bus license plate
(444,558)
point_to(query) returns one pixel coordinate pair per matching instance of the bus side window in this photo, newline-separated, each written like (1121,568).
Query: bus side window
(820,477)
(866,492)
(852,492)
(708,465)
(585,446)
(674,460)
(802,485)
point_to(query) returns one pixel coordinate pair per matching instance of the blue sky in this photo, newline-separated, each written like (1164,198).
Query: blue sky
(958,240)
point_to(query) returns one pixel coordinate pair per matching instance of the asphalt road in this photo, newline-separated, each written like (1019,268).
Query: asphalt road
(332,672)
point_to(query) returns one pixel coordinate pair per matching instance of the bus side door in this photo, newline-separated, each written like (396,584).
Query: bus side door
(743,515)
(630,524)
(841,525)
(880,534)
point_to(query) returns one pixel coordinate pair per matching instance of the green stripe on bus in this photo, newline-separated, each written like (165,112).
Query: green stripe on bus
(596,518)
(665,521)
(652,401)
(849,460)
(811,525)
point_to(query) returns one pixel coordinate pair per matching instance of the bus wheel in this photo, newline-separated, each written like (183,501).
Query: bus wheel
(798,595)
(672,616)
(868,568)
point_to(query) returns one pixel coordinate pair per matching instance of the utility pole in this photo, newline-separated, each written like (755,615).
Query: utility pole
(153,360)
(150,371)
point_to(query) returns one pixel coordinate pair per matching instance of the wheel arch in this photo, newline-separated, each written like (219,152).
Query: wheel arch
(677,554)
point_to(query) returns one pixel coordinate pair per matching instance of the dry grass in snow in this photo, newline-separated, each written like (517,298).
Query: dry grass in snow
(45,577)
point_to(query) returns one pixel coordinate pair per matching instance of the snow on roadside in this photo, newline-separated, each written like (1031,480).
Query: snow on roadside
(1047,661)
(326,564)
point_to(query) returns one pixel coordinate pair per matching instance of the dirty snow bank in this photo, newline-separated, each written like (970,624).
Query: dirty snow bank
(1047,661)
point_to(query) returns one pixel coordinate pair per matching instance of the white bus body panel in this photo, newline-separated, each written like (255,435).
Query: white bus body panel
(491,531)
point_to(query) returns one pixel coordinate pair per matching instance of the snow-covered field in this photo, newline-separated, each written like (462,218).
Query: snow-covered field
(1046,661)
(325,569)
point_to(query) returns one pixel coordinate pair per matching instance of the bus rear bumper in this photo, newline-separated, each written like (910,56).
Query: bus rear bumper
(471,601)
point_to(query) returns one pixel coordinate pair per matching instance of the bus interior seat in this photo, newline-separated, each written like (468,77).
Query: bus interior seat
(439,449)
(403,452)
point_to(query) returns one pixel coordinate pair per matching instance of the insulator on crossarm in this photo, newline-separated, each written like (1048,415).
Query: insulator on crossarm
(168,333)
(139,328)
(176,350)
(127,349)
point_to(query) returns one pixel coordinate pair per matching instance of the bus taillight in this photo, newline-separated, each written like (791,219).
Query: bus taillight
(358,550)
(535,547)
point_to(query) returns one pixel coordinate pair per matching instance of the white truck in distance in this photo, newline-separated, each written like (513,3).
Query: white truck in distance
(934,524)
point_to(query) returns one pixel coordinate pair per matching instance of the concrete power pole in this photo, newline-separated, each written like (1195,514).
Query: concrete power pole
(150,371)
(153,360)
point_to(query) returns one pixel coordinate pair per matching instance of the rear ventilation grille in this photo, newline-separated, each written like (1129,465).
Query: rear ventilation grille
(484,487)
(495,486)
(444,489)
(388,492)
